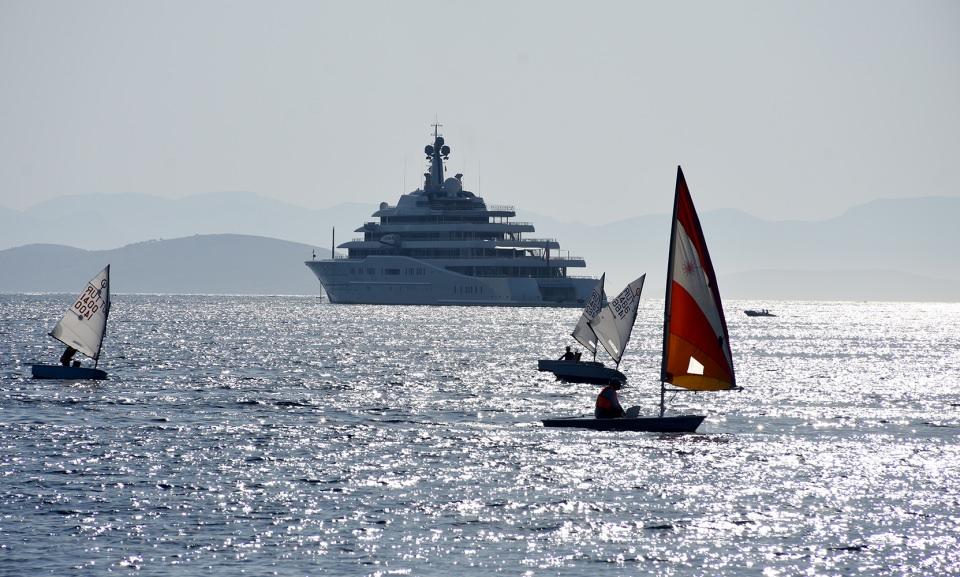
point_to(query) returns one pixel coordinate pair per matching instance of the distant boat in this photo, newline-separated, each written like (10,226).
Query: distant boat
(82,329)
(758,313)
(575,370)
(696,344)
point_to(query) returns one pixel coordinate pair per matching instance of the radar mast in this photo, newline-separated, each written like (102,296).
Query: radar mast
(436,154)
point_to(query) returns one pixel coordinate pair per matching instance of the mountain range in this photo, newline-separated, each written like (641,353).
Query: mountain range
(894,249)
(107,221)
(891,249)
(201,264)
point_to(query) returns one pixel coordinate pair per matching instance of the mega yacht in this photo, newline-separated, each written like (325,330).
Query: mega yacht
(443,245)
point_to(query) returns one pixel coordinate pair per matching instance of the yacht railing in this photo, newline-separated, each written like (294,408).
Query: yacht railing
(430,220)
(528,242)
(535,240)
(464,254)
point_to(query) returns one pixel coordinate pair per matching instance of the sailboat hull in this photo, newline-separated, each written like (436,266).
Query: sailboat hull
(677,424)
(581,371)
(67,373)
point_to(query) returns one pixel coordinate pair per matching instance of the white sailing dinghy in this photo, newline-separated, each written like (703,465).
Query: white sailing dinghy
(82,328)
(575,371)
(696,344)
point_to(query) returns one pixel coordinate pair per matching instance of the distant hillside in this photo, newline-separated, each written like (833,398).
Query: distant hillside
(914,237)
(839,285)
(106,221)
(238,264)
(909,239)
(209,264)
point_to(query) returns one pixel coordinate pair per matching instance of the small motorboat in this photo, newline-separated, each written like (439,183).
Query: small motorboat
(758,313)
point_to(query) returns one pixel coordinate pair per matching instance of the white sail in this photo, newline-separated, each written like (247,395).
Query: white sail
(83,325)
(582,332)
(615,322)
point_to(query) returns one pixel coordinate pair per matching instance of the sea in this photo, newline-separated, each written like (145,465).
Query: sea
(278,435)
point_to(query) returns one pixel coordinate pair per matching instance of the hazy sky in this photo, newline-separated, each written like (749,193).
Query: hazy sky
(577,110)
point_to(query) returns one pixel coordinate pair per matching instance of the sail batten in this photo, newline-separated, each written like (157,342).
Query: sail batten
(85,322)
(696,347)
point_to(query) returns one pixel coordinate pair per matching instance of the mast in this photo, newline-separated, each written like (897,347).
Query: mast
(436,154)
(603,298)
(667,300)
(106,315)
(333,242)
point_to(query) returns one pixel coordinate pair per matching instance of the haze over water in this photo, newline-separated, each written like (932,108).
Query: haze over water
(261,435)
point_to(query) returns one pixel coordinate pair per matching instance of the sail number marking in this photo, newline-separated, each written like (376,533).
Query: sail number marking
(623,304)
(88,303)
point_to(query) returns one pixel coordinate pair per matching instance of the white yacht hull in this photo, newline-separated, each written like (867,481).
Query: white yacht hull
(400,280)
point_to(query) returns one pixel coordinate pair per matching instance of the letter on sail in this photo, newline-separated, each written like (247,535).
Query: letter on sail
(582,332)
(696,349)
(615,322)
(84,323)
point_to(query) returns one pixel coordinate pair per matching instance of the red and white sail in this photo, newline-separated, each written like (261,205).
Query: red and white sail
(696,345)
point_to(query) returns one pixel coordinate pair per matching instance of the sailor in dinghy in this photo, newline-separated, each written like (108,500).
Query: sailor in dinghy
(608,403)
(67,357)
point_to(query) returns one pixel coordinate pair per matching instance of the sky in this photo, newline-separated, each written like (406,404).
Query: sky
(580,111)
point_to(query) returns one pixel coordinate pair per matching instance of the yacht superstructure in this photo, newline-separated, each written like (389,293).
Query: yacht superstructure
(443,245)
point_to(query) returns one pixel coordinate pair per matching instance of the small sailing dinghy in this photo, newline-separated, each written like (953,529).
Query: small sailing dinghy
(696,344)
(577,371)
(82,329)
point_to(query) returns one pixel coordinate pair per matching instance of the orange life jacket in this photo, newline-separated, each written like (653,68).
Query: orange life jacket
(607,402)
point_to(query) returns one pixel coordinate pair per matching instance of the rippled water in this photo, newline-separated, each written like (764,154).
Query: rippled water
(278,435)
